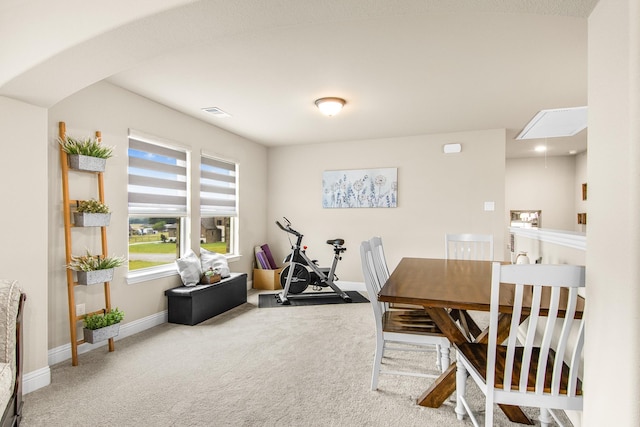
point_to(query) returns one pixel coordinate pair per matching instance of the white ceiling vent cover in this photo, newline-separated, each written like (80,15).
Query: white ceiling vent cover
(555,123)
(216,112)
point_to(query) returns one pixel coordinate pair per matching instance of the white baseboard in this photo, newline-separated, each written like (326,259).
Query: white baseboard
(32,381)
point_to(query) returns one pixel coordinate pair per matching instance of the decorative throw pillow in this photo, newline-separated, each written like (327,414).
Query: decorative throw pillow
(214,260)
(189,268)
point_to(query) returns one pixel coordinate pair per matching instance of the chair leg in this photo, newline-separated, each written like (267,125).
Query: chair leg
(444,358)
(377,363)
(488,409)
(545,417)
(461,387)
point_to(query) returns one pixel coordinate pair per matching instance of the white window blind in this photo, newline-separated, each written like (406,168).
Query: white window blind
(157,177)
(218,186)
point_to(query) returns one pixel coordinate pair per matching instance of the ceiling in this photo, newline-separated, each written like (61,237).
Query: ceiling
(404,67)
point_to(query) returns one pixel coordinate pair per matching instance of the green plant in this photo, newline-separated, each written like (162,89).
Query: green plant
(92,206)
(97,321)
(91,262)
(86,147)
(212,272)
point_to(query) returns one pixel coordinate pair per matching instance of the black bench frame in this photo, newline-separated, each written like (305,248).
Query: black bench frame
(194,304)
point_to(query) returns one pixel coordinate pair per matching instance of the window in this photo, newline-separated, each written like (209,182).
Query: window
(158,195)
(218,201)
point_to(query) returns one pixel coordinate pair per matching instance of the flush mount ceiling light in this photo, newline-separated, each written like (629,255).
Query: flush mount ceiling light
(555,123)
(330,106)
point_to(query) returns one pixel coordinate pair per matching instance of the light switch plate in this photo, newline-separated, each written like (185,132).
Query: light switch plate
(489,206)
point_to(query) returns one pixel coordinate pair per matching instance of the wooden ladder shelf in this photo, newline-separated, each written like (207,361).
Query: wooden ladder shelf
(68,226)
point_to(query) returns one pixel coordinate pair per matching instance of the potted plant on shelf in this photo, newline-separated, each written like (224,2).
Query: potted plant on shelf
(91,269)
(212,275)
(91,213)
(99,327)
(86,154)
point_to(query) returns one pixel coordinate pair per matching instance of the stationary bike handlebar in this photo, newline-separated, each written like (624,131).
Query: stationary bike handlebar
(288,228)
(336,243)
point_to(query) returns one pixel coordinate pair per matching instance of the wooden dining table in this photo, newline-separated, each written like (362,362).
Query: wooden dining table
(448,289)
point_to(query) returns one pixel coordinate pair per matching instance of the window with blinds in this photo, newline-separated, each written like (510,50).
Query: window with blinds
(158,191)
(218,201)
(157,178)
(217,187)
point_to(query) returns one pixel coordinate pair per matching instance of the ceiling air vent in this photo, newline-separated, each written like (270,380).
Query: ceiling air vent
(216,112)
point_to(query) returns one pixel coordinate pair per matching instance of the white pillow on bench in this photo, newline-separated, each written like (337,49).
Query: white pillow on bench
(214,260)
(189,268)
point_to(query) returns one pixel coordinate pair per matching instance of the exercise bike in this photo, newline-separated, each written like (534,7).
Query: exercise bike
(302,271)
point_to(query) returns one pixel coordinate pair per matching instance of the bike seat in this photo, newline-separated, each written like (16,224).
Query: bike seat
(335,242)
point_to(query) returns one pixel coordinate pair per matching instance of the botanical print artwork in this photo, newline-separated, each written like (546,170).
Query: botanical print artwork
(360,188)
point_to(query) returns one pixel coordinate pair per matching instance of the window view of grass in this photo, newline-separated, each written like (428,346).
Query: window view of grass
(153,243)
(154,249)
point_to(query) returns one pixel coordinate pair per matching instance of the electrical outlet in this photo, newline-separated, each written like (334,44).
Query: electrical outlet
(80,309)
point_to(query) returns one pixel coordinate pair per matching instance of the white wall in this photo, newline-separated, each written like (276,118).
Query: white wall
(437,194)
(23,167)
(612,367)
(543,183)
(112,110)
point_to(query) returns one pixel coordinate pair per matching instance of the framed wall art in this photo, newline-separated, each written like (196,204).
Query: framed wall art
(360,188)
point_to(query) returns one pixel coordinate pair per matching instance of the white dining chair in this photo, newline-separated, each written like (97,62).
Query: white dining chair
(382,272)
(476,247)
(553,365)
(410,330)
(379,259)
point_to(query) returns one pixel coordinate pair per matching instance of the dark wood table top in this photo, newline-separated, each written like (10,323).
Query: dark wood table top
(456,284)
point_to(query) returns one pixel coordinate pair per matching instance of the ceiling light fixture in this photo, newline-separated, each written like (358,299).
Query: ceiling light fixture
(555,123)
(330,106)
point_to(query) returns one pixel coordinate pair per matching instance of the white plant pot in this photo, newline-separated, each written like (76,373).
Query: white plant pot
(86,163)
(86,219)
(96,335)
(95,276)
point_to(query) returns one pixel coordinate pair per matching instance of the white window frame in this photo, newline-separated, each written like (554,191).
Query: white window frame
(168,269)
(233,213)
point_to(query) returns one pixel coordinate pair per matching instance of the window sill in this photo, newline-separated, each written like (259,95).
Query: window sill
(145,275)
(169,270)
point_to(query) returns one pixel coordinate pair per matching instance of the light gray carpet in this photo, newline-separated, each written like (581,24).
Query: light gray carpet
(303,366)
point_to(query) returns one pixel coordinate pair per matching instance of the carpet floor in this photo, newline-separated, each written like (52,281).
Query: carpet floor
(309,366)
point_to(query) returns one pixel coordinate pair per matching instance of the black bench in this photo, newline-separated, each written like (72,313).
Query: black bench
(195,304)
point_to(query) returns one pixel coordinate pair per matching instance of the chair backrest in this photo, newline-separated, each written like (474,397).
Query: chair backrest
(478,247)
(371,281)
(379,259)
(539,291)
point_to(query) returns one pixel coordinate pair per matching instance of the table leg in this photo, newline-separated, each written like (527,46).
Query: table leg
(445,384)
(440,389)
